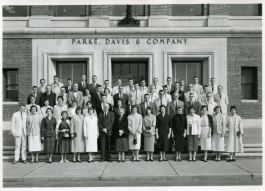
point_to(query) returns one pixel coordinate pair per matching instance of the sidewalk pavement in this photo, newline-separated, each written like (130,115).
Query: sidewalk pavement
(167,173)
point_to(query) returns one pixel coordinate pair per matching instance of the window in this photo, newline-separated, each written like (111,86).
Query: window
(249,85)
(15,11)
(245,9)
(125,69)
(70,11)
(137,10)
(71,69)
(187,10)
(10,85)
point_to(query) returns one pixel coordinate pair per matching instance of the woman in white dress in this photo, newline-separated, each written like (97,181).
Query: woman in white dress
(135,130)
(33,132)
(45,107)
(234,134)
(219,126)
(206,131)
(91,133)
(59,108)
(71,110)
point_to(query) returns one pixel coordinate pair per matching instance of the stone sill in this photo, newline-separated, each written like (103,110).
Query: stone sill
(249,101)
(10,103)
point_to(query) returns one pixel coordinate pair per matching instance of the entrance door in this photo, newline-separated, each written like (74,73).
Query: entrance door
(187,69)
(125,69)
(71,69)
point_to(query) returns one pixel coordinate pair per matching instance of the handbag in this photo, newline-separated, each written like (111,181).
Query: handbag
(75,135)
(66,134)
(135,140)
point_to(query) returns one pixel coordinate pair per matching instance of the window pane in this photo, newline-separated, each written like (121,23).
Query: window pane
(71,11)
(14,11)
(10,87)
(120,10)
(249,83)
(244,10)
(187,10)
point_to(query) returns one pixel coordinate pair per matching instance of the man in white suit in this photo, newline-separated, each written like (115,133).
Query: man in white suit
(18,126)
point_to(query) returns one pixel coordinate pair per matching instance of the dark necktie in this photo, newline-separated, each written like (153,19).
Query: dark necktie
(212,88)
(220,96)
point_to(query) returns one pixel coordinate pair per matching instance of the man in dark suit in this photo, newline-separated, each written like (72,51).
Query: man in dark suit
(82,85)
(124,97)
(49,95)
(69,86)
(94,84)
(105,123)
(193,103)
(34,94)
(169,85)
(42,88)
(96,99)
(172,106)
(142,106)
(75,95)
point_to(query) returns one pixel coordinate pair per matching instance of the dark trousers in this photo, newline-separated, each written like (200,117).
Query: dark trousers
(105,147)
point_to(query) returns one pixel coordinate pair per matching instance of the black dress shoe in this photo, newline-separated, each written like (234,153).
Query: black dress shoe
(79,161)
(123,161)
(109,160)
(229,160)
(160,160)
(165,160)
(14,162)
(179,160)
(151,160)
(74,161)
(233,160)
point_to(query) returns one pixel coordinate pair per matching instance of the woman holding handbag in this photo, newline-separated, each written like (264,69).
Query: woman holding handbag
(135,130)
(63,137)
(77,134)
(149,124)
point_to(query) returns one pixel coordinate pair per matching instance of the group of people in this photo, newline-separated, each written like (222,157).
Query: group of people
(74,118)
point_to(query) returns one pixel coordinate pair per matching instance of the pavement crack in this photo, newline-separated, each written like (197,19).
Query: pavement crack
(242,168)
(173,168)
(100,177)
(32,171)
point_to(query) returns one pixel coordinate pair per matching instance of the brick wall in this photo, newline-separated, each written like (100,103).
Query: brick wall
(17,53)
(244,52)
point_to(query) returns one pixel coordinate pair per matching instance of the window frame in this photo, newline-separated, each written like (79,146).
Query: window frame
(204,10)
(254,84)
(87,11)
(259,10)
(5,85)
(146,11)
(28,11)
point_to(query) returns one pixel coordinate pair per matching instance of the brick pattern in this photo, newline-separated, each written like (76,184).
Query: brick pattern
(160,9)
(41,10)
(219,9)
(244,52)
(17,53)
(101,10)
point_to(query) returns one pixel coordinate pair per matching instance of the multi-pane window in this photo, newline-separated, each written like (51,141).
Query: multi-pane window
(187,10)
(70,11)
(245,9)
(249,84)
(15,11)
(120,10)
(10,84)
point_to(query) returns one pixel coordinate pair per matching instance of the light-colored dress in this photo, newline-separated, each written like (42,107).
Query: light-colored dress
(149,123)
(205,132)
(234,142)
(71,112)
(43,110)
(135,128)
(33,132)
(78,142)
(58,110)
(85,100)
(91,133)
(109,100)
(219,126)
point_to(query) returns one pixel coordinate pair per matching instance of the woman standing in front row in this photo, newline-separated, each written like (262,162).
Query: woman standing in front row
(193,133)
(48,126)
(63,137)
(163,132)
(219,127)
(149,125)
(234,134)
(33,132)
(77,134)
(179,127)
(120,131)
(91,133)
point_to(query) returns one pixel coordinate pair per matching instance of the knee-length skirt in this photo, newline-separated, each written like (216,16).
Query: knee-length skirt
(205,143)
(121,144)
(134,146)
(34,143)
(49,145)
(163,142)
(218,143)
(149,142)
(63,145)
(192,142)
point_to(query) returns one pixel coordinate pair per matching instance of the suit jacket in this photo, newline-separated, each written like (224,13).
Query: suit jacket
(51,98)
(82,88)
(171,108)
(40,91)
(38,98)
(196,105)
(141,108)
(69,90)
(120,125)
(106,122)
(125,99)
(18,124)
(96,101)
(78,98)
(91,86)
